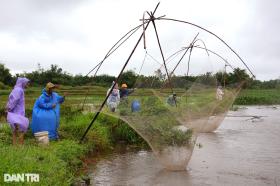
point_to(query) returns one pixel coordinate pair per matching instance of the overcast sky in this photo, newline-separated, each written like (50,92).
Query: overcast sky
(76,34)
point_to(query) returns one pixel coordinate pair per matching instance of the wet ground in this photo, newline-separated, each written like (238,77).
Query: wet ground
(244,150)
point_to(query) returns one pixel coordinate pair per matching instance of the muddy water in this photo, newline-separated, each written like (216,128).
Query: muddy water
(242,151)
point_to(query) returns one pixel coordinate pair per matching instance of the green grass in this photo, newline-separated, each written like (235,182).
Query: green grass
(55,164)
(258,97)
(59,162)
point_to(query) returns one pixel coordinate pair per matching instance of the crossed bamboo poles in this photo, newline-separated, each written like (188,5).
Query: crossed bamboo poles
(145,24)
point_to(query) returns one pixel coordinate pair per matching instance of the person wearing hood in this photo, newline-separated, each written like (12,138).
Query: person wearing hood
(15,109)
(46,112)
(219,93)
(114,98)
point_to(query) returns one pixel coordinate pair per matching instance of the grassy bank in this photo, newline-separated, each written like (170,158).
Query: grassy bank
(258,97)
(59,162)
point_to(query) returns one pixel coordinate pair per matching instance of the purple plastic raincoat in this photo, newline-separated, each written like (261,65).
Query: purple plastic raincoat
(16,106)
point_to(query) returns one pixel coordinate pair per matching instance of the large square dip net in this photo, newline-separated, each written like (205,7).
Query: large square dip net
(174,88)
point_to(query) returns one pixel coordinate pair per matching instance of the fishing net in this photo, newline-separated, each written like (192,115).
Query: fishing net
(179,90)
(169,120)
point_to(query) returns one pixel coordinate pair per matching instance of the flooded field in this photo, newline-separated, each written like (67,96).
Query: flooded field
(244,150)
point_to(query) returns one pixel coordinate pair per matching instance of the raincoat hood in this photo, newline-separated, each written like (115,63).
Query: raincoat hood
(45,93)
(21,82)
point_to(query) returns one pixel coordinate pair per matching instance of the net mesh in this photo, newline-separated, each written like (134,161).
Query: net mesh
(168,107)
(170,120)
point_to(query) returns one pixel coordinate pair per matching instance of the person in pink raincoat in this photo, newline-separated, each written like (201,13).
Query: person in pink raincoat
(15,109)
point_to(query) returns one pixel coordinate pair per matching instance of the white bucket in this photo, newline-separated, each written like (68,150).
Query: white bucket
(42,137)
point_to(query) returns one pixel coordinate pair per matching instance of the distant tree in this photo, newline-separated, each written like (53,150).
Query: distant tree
(5,75)
(57,75)
(278,83)
(129,77)
(207,79)
(255,84)
(237,76)
(160,75)
(54,74)
(102,80)
(221,78)
(179,81)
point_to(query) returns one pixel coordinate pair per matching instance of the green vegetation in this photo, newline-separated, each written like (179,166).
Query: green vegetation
(5,76)
(156,123)
(165,134)
(55,74)
(56,164)
(258,97)
(59,162)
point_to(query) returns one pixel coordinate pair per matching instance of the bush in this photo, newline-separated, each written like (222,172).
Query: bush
(3,86)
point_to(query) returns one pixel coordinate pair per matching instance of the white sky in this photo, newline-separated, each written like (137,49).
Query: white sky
(77,34)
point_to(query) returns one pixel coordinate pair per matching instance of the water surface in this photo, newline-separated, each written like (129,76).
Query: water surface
(242,151)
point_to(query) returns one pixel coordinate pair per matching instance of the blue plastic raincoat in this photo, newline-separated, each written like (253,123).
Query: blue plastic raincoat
(44,116)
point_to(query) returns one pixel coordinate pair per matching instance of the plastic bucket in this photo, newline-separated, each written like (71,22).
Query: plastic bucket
(135,106)
(42,137)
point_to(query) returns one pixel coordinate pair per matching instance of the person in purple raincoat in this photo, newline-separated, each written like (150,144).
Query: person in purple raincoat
(15,109)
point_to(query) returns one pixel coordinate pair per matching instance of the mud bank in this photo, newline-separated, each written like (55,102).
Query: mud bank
(244,150)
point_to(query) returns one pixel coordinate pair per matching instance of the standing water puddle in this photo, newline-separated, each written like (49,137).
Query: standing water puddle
(243,151)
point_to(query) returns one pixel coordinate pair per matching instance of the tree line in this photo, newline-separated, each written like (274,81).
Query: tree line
(55,74)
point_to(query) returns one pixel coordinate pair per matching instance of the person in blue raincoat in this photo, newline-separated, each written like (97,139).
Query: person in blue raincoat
(46,112)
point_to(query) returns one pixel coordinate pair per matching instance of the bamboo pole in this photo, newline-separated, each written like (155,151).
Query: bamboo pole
(105,100)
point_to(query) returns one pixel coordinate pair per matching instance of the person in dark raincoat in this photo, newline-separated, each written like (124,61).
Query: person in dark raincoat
(46,112)
(124,92)
(15,109)
(172,100)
